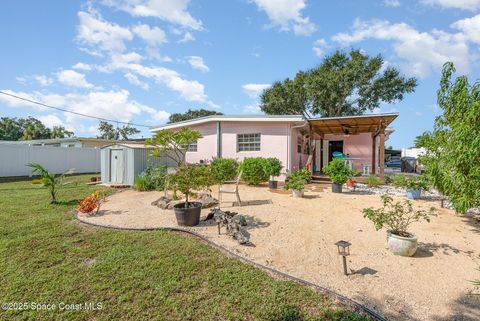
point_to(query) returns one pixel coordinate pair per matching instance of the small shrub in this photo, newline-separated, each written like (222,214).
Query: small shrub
(253,170)
(153,178)
(417,183)
(397,216)
(297,180)
(273,166)
(91,202)
(189,178)
(400,180)
(373,181)
(389,179)
(338,171)
(49,179)
(223,169)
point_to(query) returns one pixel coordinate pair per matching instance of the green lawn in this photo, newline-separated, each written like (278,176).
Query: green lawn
(47,257)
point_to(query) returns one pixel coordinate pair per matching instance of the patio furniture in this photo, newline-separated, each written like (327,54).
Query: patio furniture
(338,155)
(222,189)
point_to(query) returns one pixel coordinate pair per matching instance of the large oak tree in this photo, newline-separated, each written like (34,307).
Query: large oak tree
(343,84)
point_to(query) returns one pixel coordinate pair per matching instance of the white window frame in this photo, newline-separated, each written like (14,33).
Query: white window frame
(192,148)
(249,142)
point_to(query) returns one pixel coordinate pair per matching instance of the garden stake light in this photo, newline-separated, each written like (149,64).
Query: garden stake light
(343,248)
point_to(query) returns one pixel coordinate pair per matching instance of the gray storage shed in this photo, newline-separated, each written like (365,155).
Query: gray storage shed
(122,163)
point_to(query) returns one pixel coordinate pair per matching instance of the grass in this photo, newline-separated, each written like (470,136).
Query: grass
(47,257)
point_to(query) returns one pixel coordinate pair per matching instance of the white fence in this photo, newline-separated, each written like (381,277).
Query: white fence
(14,159)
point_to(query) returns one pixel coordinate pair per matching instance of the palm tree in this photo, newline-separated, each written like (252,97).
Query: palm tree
(49,179)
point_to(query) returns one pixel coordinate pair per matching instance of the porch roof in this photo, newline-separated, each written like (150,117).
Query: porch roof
(352,124)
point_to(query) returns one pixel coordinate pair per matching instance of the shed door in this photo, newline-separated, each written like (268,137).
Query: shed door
(116,166)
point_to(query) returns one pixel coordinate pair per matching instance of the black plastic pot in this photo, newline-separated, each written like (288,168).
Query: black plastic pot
(188,216)
(272,184)
(336,188)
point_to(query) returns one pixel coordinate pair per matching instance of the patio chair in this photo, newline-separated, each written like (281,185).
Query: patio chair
(222,189)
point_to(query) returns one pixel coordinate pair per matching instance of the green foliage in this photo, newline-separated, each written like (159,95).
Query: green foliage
(416,183)
(343,84)
(223,169)
(396,216)
(273,166)
(191,114)
(452,159)
(189,178)
(373,181)
(172,143)
(253,170)
(49,179)
(338,171)
(297,180)
(153,178)
(29,128)
(108,131)
(400,180)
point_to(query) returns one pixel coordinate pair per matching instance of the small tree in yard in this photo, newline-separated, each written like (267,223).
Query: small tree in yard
(49,179)
(189,178)
(223,169)
(452,159)
(173,144)
(338,171)
(273,166)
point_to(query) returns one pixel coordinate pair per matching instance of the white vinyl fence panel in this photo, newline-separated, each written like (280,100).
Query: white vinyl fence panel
(14,159)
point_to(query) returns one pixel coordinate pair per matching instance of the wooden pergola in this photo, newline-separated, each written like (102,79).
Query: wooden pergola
(352,125)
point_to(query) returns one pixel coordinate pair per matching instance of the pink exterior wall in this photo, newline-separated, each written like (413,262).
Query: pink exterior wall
(206,146)
(357,146)
(298,159)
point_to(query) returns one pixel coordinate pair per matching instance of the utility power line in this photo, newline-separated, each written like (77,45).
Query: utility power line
(72,112)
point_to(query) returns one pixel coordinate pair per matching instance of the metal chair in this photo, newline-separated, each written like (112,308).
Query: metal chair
(222,189)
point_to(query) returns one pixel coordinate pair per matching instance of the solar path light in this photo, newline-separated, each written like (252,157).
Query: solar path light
(343,248)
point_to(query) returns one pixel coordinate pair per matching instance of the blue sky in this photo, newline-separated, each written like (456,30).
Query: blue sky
(140,60)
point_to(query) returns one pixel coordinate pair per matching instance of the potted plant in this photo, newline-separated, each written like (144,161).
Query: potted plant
(415,185)
(397,217)
(296,182)
(338,172)
(187,179)
(273,166)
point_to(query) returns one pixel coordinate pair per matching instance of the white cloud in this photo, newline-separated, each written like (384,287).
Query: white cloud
(319,46)
(472,5)
(252,109)
(105,104)
(287,15)
(392,3)
(82,66)
(101,35)
(133,79)
(186,38)
(254,90)
(53,120)
(72,78)
(421,52)
(470,28)
(152,36)
(173,11)
(197,63)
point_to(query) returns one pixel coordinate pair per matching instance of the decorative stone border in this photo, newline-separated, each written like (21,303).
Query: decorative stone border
(341,298)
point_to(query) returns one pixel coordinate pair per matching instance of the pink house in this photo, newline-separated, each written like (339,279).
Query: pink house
(296,141)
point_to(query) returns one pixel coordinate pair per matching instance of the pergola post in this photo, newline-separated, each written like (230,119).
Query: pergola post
(381,155)
(374,152)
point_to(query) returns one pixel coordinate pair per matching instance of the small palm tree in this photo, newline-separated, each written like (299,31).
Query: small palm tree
(49,179)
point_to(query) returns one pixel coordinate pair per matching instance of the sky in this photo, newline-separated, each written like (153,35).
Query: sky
(141,60)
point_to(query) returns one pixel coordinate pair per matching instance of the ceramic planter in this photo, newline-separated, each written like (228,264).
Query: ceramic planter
(414,194)
(272,184)
(400,245)
(336,188)
(297,193)
(188,216)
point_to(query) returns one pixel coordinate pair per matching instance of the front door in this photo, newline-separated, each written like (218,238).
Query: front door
(334,146)
(116,166)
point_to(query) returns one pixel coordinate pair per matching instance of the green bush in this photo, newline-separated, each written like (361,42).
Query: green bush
(373,181)
(411,183)
(152,178)
(400,180)
(273,166)
(338,171)
(253,170)
(189,178)
(297,180)
(223,169)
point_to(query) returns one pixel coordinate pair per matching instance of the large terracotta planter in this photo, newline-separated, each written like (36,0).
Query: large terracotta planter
(188,216)
(296,193)
(400,245)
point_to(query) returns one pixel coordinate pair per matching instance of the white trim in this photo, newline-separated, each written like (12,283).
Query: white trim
(224,118)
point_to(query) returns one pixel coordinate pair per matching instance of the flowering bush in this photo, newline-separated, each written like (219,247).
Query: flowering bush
(91,203)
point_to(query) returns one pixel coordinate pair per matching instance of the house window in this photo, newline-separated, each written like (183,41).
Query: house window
(191,147)
(248,142)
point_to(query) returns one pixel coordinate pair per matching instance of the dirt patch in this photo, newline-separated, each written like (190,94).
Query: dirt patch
(297,236)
